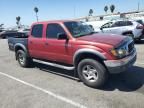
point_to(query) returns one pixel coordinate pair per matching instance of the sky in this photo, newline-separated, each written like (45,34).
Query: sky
(59,9)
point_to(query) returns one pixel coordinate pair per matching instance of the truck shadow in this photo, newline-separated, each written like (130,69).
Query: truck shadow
(129,81)
(57,71)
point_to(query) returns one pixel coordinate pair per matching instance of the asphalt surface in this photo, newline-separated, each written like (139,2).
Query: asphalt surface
(42,86)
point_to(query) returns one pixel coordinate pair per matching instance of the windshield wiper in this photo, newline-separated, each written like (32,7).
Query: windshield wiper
(80,35)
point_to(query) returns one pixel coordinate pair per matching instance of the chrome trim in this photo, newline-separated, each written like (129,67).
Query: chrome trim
(54,64)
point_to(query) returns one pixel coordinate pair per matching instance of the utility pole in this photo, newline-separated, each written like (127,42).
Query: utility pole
(138,6)
(37,17)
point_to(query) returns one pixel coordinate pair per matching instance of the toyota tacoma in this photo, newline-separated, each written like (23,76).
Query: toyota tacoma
(73,45)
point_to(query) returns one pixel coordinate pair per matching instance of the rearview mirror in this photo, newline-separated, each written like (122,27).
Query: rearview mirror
(62,36)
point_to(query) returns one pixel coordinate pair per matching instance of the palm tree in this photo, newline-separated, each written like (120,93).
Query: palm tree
(18,21)
(112,8)
(36,11)
(18,18)
(1,25)
(106,9)
(90,12)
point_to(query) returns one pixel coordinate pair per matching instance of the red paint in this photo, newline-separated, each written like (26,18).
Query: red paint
(63,50)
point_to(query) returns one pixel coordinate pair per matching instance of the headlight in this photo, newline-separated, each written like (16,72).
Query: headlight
(119,53)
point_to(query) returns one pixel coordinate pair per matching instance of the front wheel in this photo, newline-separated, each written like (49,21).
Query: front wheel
(22,58)
(92,73)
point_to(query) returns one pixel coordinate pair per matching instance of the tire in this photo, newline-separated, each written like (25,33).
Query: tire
(139,39)
(92,73)
(22,58)
(3,37)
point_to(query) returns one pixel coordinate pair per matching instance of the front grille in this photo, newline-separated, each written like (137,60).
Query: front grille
(130,47)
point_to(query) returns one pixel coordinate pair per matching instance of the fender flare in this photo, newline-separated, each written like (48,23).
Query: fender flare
(19,45)
(86,50)
(127,32)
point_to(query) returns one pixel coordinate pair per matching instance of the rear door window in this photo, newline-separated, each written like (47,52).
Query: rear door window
(129,23)
(122,23)
(37,31)
(116,24)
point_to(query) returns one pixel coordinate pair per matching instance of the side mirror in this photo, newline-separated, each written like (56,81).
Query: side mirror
(101,28)
(62,36)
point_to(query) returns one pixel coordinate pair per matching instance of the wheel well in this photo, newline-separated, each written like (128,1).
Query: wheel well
(16,49)
(87,55)
(128,32)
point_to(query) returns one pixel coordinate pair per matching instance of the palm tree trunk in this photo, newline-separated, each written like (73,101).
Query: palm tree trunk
(36,17)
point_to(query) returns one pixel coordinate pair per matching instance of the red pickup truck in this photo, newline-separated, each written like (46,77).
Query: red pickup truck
(74,45)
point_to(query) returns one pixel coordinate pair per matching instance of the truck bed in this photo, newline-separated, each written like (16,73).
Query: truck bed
(12,41)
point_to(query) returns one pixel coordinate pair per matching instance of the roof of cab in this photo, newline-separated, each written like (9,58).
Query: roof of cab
(52,21)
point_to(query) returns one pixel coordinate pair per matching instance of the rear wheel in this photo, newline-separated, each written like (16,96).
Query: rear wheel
(22,58)
(3,37)
(92,73)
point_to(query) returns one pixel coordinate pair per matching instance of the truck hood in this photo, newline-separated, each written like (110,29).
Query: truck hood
(111,39)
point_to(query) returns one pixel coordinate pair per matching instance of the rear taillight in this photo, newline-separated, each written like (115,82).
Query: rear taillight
(140,27)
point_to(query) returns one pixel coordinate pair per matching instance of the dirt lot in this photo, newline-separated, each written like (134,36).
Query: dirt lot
(47,87)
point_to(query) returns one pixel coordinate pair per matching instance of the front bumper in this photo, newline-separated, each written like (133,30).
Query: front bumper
(118,66)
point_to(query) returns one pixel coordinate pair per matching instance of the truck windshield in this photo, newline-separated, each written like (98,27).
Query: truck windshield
(78,29)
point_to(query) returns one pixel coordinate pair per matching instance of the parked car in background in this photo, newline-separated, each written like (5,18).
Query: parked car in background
(24,30)
(7,34)
(140,21)
(96,24)
(124,27)
(1,30)
(73,45)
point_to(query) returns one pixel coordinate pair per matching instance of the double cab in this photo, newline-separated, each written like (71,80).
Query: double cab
(73,45)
